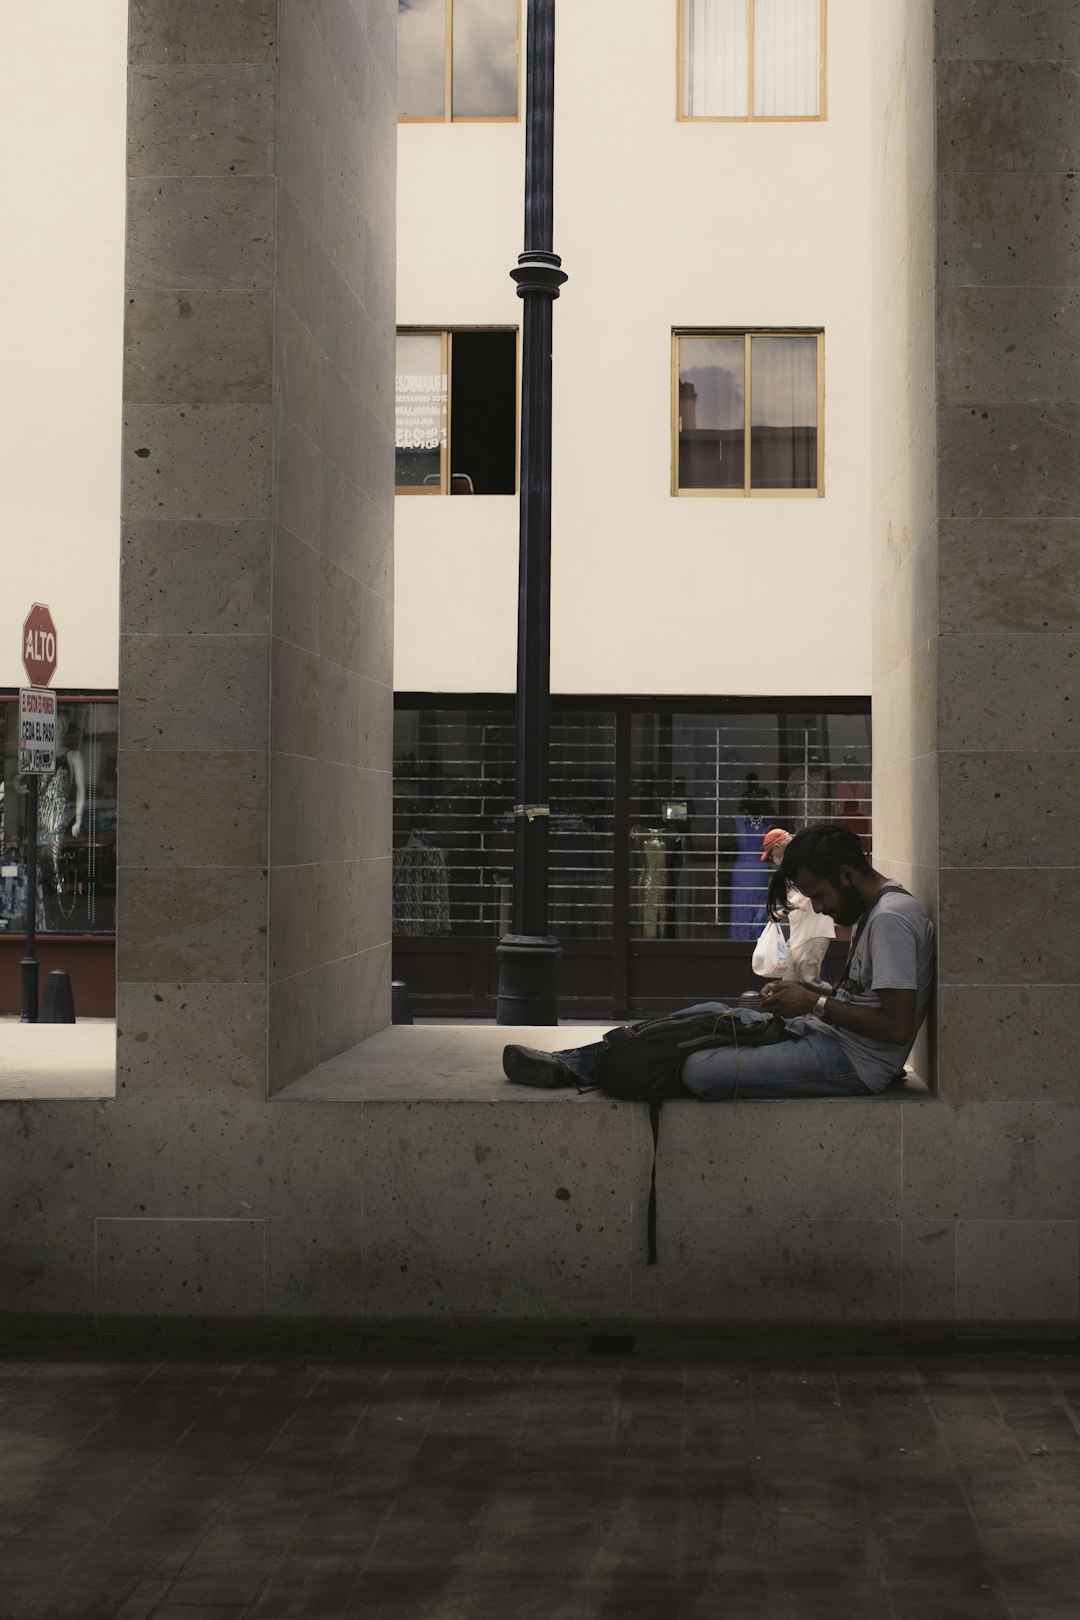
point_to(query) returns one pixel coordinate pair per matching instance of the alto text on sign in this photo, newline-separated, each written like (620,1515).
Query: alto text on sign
(40,649)
(37,731)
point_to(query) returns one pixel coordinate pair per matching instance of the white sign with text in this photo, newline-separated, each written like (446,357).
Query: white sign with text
(37,731)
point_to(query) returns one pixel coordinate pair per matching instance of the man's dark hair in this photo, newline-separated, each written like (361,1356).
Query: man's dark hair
(822,849)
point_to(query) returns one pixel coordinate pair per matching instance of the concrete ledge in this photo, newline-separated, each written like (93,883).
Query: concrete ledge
(55,1061)
(463,1063)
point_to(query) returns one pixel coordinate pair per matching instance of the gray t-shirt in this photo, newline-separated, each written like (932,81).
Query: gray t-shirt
(895,951)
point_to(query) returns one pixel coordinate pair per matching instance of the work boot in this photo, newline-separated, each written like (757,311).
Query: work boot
(526,1066)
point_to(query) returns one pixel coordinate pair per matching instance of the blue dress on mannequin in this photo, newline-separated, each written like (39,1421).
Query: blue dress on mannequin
(749,877)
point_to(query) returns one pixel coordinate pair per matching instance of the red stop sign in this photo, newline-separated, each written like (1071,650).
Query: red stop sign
(39,645)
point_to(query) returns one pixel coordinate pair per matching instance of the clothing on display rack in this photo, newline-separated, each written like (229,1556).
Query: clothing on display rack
(421,892)
(749,883)
(13,897)
(749,880)
(651,884)
(809,794)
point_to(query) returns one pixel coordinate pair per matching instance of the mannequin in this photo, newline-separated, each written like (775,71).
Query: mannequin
(809,791)
(749,884)
(54,815)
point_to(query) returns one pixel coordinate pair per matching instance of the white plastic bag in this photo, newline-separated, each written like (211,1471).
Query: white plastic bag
(770,959)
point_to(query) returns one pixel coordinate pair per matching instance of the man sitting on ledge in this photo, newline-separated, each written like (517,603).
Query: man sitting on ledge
(854,1039)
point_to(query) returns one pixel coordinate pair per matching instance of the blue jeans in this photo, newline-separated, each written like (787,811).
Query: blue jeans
(813,1066)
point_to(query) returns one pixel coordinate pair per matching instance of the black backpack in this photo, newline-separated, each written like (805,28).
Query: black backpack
(643,1063)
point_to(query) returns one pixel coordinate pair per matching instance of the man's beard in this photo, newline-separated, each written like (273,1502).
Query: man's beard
(850,909)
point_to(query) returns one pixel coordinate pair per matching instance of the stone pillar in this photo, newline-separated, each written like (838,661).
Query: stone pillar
(331,675)
(253,931)
(1008,373)
(904,509)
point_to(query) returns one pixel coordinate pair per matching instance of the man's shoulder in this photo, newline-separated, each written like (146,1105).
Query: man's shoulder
(898,906)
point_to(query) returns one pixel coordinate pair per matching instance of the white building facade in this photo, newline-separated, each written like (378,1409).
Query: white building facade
(63,75)
(711,478)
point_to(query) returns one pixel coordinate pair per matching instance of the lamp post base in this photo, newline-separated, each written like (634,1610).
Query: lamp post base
(29,1013)
(527,971)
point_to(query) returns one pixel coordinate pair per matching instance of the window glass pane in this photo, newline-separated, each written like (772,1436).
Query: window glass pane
(582,846)
(711,412)
(421,58)
(483,413)
(826,775)
(783,411)
(454,826)
(787,58)
(715,67)
(76,871)
(420,426)
(485,70)
(704,791)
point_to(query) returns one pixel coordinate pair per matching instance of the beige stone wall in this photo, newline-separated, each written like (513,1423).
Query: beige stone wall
(904,512)
(903,535)
(253,931)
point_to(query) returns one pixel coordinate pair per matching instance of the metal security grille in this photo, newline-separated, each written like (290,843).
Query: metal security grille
(453,822)
(657,820)
(705,788)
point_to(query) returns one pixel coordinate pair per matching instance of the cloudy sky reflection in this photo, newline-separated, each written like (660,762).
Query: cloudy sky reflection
(485,58)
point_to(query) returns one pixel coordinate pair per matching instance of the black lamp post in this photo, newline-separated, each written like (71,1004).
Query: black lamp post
(529,955)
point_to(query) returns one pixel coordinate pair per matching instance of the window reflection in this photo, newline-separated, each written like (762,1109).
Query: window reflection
(485,75)
(421,58)
(420,414)
(458,58)
(711,413)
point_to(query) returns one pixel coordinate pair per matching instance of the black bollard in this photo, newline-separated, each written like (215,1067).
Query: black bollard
(400,1012)
(59,1004)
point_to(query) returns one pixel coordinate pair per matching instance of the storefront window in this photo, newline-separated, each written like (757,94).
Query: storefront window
(454,825)
(704,790)
(76,869)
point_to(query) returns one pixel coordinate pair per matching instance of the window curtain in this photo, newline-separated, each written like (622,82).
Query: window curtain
(787,58)
(715,63)
(783,413)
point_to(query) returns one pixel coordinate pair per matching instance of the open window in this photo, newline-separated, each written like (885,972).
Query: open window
(456,413)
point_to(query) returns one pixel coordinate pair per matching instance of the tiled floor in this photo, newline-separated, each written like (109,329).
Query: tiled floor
(588,1487)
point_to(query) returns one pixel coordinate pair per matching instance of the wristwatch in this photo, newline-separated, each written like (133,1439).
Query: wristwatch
(819,1006)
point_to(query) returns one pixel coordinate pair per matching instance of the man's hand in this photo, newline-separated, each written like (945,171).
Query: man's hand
(789,1000)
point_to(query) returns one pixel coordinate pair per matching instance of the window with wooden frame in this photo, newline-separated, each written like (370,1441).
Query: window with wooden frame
(456,412)
(751,59)
(458,60)
(747,413)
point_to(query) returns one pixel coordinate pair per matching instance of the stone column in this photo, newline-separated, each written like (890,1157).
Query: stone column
(331,675)
(904,510)
(253,931)
(1008,372)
